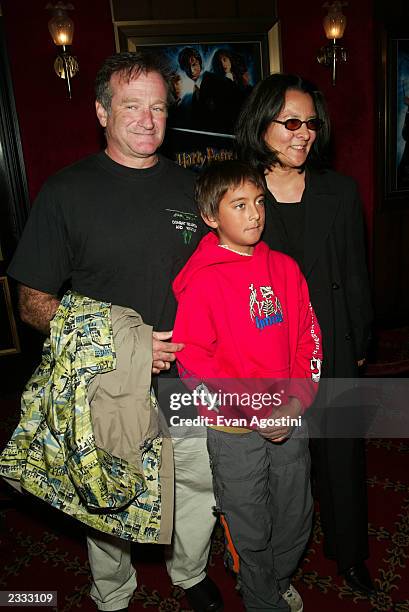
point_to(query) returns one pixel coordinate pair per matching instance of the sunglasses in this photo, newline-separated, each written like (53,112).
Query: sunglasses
(295,124)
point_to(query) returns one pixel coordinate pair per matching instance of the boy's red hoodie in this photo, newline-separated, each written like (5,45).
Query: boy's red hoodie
(246,317)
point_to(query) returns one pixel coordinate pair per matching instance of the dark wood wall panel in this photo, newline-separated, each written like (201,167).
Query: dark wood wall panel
(249,8)
(180,9)
(217,10)
(128,10)
(138,10)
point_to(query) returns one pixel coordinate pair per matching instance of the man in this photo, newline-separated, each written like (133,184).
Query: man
(107,225)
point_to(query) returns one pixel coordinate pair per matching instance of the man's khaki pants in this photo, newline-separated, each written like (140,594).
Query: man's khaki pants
(114,579)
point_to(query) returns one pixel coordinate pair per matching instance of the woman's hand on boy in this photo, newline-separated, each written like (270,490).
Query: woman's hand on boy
(278,433)
(163,351)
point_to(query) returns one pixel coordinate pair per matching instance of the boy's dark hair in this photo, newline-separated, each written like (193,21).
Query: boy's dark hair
(217,178)
(265,104)
(129,65)
(184,58)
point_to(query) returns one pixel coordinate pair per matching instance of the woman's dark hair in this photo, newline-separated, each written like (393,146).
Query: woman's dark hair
(238,68)
(220,176)
(265,104)
(129,65)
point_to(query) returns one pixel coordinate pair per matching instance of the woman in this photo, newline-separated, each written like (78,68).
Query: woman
(231,66)
(233,82)
(314,215)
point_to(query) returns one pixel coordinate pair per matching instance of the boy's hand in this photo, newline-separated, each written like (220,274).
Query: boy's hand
(163,352)
(280,433)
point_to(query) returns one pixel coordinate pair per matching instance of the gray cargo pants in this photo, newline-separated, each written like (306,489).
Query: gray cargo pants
(263,490)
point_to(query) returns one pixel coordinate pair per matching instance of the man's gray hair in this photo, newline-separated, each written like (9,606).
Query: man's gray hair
(129,65)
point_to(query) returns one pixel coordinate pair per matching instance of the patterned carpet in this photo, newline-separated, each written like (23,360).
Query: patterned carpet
(42,549)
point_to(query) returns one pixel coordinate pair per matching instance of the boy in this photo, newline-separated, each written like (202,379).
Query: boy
(244,314)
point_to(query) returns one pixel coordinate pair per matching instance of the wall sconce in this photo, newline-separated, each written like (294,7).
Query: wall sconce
(334,25)
(61,28)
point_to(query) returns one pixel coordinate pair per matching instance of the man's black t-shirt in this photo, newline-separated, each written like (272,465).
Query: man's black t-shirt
(117,234)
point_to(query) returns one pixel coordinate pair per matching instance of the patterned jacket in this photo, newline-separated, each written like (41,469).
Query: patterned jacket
(53,453)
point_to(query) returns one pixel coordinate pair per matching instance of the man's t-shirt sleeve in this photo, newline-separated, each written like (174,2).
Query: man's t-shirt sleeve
(43,258)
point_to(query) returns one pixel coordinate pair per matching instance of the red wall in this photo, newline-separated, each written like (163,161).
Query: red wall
(352,101)
(55,131)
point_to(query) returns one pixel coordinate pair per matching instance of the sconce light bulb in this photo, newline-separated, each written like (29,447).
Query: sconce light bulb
(334,25)
(61,28)
(335,21)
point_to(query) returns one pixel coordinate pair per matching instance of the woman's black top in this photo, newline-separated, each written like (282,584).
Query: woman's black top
(293,218)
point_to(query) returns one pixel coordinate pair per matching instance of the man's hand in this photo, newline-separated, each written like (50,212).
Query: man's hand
(280,433)
(163,351)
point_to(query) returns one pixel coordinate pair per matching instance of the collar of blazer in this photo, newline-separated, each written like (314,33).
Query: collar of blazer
(321,204)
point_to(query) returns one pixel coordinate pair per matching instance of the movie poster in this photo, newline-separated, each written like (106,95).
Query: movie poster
(402,124)
(210,83)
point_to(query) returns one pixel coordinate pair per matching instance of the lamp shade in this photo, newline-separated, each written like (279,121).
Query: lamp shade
(335,22)
(61,28)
